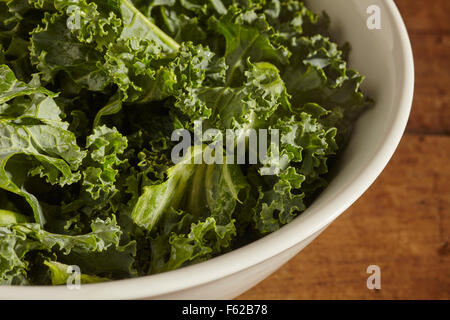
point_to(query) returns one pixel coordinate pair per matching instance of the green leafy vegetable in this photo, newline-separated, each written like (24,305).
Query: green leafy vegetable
(91,95)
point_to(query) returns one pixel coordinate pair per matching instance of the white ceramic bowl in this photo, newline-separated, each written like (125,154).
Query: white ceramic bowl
(385,57)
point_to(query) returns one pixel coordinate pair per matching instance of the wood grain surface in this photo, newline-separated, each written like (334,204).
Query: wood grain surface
(402,223)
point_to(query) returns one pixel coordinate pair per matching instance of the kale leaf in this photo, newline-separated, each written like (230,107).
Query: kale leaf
(91,93)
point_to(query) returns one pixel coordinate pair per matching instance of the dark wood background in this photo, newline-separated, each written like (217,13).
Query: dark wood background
(402,223)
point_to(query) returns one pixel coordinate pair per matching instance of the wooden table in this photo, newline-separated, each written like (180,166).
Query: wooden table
(402,223)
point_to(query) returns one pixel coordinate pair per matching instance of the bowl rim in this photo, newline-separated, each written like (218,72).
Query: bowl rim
(271,245)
